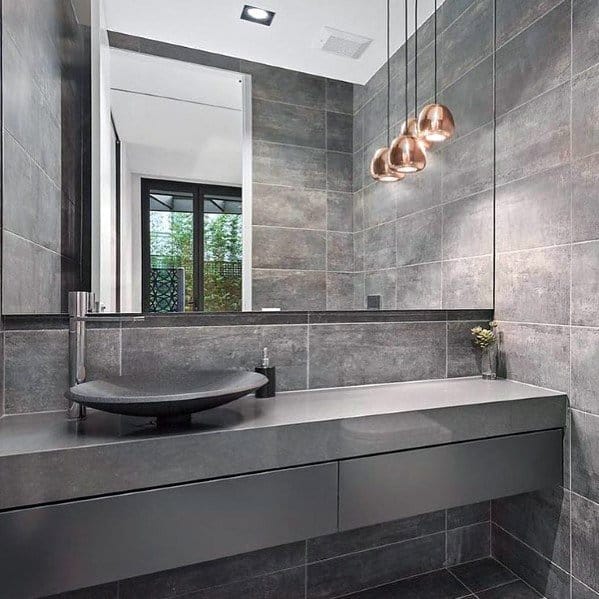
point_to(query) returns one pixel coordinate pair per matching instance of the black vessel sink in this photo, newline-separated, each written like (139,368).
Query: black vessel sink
(171,398)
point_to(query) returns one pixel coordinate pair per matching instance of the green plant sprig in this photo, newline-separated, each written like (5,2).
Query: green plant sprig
(483,338)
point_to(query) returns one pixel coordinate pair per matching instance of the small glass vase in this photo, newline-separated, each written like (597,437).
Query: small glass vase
(488,363)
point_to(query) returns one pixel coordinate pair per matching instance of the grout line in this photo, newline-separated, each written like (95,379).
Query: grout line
(516,575)
(569,413)
(461,582)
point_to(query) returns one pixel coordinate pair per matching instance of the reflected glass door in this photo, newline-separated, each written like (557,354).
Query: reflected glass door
(191,236)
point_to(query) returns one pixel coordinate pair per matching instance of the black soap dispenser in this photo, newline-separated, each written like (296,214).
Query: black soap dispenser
(270,389)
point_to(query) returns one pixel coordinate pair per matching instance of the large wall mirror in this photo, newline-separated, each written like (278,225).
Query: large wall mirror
(218,164)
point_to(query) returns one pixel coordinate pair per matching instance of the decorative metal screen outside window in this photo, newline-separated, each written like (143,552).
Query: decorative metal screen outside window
(167,290)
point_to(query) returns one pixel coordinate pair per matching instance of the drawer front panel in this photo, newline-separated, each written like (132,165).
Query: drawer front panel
(385,487)
(51,549)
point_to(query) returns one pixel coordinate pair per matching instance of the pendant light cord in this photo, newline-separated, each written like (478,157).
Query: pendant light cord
(388,75)
(435,51)
(416,59)
(406,53)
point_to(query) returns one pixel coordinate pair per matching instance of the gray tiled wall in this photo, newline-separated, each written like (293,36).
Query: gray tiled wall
(325,567)
(42,52)
(427,242)
(548,274)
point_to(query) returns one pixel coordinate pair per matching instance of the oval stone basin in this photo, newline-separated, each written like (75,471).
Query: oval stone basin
(170,397)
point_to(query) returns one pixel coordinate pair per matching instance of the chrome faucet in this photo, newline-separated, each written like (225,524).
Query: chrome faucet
(81,311)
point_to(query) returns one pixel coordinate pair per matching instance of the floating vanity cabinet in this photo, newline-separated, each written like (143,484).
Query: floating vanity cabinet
(397,485)
(82,543)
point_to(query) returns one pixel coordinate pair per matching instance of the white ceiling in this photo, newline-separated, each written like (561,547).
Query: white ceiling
(292,40)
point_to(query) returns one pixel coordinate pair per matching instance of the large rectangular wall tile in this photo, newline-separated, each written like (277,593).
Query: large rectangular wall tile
(513,17)
(582,591)
(547,578)
(288,124)
(343,575)
(585,34)
(339,251)
(339,171)
(468,543)
(522,147)
(380,204)
(534,212)
(340,211)
(585,283)
(375,536)
(284,248)
(340,290)
(465,515)
(302,167)
(383,283)
(376,353)
(468,283)
(419,237)
(270,289)
(540,519)
(422,190)
(282,206)
(463,357)
(339,96)
(585,455)
(419,287)
(468,226)
(534,61)
(184,348)
(585,198)
(379,247)
(180,581)
(585,138)
(585,549)
(339,132)
(533,285)
(547,365)
(584,394)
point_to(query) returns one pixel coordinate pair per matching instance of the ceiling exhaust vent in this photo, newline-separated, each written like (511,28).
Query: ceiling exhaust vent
(343,43)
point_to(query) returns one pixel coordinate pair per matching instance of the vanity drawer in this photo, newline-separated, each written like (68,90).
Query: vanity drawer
(397,485)
(51,549)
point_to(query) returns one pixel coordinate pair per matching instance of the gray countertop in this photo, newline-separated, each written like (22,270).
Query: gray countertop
(44,458)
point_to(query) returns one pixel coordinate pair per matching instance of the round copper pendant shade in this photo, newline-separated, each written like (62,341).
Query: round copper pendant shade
(410,127)
(436,123)
(379,167)
(406,155)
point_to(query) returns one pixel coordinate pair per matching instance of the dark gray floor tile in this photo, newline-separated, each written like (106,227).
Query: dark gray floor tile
(513,17)
(540,519)
(375,536)
(435,585)
(581,591)
(522,148)
(357,571)
(533,285)
(339,132)
(339,171)
(585,455)
(585,138)
(419,237)
(288,124)
(534,61)
(482,574)
(376,353)
(171,583)
(289,584)
(288,289)
(585,199)
(467,226)
(104,591)
(283,85)
(585,34)
(585,283)
(383,283)
(468,543)
(340,96)
(534,212)
(585,549)
(282,206)
(545,577)
(238,347)
(476,512)
(512,590)
(301,167)
(285,248)
(585,374)
(549,368)
(419,287)
(458,290)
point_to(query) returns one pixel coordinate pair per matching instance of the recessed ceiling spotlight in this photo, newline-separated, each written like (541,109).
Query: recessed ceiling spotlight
(257,15)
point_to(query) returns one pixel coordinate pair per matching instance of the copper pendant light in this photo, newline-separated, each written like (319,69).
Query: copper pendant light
(410,127)
(379,165)
(436,121)
(406,154)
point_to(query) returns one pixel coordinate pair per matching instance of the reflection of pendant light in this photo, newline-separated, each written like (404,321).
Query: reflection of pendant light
(406,155)
(436,121)
(379,166)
